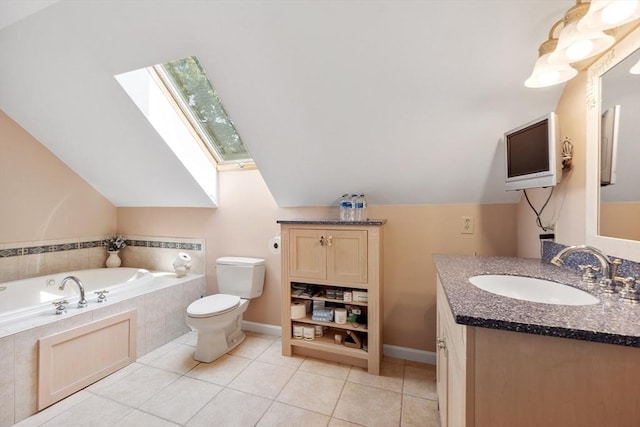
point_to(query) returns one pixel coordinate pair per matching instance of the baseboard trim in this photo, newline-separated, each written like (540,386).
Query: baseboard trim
(261,328)
(388,350)
(407,353)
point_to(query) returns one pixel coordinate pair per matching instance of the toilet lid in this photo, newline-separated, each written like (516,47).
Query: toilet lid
(213,305)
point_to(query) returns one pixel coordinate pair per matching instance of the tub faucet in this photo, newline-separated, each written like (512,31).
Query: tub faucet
(607,267)
(83,302)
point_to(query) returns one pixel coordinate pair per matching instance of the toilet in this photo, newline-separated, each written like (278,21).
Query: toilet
(218,318)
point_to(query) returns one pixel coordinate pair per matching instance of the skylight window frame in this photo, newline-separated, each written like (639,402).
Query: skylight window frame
(173,94)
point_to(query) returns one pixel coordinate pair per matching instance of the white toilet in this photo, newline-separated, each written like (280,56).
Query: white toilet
(218,318)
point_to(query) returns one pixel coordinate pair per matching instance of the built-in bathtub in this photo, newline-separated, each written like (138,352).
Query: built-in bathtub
(21,299)
(28,315)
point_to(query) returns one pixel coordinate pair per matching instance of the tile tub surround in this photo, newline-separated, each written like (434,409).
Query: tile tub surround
(160,309)
(610,321)
(30,259)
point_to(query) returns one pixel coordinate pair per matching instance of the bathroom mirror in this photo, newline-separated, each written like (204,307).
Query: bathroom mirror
(601,94)
(620,145)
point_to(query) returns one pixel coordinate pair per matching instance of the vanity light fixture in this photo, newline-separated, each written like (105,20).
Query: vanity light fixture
(544,73)
(636,68)
(607,14)
(575,45)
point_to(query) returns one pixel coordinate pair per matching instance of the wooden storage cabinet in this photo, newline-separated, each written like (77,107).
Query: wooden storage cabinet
(326,256)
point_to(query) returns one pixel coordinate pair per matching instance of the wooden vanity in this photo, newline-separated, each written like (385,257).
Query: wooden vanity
(490,376)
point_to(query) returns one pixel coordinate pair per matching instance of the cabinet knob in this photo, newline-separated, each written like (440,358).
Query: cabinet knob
(321,240)
(440,343)
(330,241)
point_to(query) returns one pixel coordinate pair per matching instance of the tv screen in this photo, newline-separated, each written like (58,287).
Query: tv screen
(531,157)
(527,150)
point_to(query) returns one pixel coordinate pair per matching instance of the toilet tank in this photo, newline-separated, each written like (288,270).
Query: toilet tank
(240,276)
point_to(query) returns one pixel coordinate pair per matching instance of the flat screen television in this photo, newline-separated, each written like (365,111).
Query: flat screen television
(609,145)
(532,156)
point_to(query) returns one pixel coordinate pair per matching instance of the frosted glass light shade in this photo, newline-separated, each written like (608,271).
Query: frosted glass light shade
(636,68)
(545,74)
(575,45)
(606,14)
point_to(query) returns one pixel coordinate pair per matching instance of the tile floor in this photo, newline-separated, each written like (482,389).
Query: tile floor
(253,385)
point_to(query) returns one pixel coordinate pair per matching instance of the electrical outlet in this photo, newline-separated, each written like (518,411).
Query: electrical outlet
(467,225)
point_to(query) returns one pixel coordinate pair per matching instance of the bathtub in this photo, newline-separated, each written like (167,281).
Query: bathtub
(26,298)
(27,315)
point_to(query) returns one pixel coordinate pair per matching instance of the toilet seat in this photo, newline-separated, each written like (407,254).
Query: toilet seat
(213,305)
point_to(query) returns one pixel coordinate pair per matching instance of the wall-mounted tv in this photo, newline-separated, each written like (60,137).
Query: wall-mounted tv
(532,157)
(609,145)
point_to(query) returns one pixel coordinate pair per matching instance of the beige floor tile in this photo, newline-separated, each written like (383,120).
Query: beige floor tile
(335,422)
(181,400)
(55,410)
(231,408)
(94,411)
(137,418)
(420,365)
(221,371)
(113,378)
(369,406)
(262,379)
(420,383)
(323,367)
(390,378)
(417,412)
(252,347)
(273,355)
(281,415)
(157,353)
(190,338)
(312,391)
(138,387)
(179,360)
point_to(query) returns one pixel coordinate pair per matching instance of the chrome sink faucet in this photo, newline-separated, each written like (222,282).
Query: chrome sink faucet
(608,268)
(83,302)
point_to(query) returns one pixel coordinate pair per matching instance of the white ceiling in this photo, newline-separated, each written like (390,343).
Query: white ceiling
(404,101)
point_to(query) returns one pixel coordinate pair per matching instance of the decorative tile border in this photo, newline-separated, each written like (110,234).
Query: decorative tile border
(35,250)
(165,245)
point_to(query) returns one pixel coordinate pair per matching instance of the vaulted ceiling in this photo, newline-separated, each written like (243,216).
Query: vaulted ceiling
(405,101)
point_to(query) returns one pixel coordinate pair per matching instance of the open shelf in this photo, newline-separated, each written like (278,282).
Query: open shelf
(347,326)
(327,343)
(333,300)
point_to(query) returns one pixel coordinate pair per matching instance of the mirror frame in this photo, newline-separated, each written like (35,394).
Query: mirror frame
(628,249)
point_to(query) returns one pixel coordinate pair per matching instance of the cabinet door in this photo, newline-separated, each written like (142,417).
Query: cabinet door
(307,253)
(441,367)
(347,255)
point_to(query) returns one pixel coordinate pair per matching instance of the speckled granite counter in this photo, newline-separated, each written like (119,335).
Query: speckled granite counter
(610,321)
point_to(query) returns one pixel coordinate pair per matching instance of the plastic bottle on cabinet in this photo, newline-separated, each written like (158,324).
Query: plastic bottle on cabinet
(362,208)
(345,207)
(354,208)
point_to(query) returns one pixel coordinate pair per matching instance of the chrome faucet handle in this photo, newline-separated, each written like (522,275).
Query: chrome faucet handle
(631,289)
(589,276)
(60,306)
(614,267)
(607,285)
(101,297)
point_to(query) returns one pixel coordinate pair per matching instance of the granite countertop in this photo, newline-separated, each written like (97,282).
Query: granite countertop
(611,321)
(331,222)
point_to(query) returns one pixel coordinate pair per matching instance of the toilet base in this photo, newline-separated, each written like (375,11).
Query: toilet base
(218,335)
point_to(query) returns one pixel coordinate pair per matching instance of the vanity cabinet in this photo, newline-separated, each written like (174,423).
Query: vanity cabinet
(321,261)
(492,378)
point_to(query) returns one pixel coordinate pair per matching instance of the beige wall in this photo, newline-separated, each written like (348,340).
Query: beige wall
(42,199)
(567,206)
(621,220)
(246,220)
(49,201)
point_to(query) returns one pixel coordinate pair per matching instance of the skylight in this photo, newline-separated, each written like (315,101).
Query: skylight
(198,100)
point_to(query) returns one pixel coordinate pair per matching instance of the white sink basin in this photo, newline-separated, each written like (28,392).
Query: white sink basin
(531,289)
